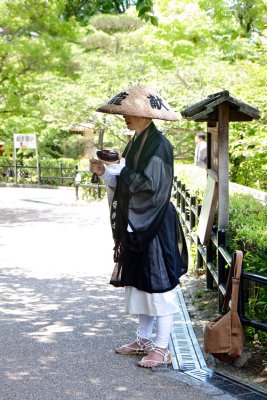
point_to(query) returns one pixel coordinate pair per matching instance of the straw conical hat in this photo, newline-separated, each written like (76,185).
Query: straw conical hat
(139,101)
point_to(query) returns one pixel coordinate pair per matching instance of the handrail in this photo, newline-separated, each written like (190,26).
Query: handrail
(7,173)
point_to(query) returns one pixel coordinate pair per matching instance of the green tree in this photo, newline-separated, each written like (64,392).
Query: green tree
(250,15)
(82,10)
(55,72)
(35,44)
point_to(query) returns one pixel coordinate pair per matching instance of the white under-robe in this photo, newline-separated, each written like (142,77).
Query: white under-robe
(153,304)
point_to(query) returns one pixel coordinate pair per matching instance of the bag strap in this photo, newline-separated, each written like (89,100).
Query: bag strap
(233,281)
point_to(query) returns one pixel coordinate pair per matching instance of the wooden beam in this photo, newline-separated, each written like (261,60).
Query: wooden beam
(212,156)
(223,166)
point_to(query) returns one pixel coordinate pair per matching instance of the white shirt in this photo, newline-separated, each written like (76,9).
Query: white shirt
(111,171)
(201,154)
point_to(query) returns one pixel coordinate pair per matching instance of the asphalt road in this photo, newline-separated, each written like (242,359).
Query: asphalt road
(60,320)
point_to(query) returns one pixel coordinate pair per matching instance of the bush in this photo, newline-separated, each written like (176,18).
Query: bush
(74,147)
(193,177)
(248,232)
(116,23)
(250,171)
(99,40)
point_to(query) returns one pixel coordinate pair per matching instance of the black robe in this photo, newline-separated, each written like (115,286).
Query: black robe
(154,255)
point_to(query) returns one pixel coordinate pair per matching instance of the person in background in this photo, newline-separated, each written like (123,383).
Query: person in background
(150,247)
(200,150)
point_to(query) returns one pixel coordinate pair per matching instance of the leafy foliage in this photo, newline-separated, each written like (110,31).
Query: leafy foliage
(82,10)
(112,24)
(60,59)
(246,212)
(145,11)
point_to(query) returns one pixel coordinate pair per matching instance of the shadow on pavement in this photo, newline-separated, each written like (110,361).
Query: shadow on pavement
(57,342)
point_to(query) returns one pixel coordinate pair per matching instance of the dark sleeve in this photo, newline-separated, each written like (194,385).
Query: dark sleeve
(148,192)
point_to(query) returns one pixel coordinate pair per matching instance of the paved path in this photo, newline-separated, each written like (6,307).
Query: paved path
(59,318)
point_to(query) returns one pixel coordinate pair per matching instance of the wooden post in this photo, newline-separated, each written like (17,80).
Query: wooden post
(101,138)
(221,266)
(15,165)
(192,218)
(37,161)
(199,256)
(212,146)
(209,259)
(179,197)
(223,166)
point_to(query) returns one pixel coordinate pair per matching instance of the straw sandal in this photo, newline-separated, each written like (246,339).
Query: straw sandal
(147,362)
(139,346)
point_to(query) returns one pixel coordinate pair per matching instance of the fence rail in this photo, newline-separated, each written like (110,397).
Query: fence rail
(52,175)
(214,256)
(60,175)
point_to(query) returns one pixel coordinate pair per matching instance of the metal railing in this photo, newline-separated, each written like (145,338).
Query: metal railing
(43,175)
(53,176)
(214,256)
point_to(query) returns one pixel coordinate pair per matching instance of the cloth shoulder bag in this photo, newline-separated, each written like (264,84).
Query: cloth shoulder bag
(223,337)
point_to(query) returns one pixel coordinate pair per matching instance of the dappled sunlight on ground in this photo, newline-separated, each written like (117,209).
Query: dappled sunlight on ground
(47,323)
(60,319)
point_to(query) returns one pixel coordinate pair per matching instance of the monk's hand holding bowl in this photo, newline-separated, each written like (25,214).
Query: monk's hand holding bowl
(97,167)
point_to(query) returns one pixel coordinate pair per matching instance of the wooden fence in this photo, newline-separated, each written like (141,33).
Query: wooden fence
(214,257)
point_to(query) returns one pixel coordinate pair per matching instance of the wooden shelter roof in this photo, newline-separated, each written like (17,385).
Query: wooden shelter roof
(80,127)
(207,109)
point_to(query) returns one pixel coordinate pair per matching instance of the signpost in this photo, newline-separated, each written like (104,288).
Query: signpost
(208,209)
(217,110)
(25,141)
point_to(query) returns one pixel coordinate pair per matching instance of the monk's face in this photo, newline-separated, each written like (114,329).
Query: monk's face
(137,124)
